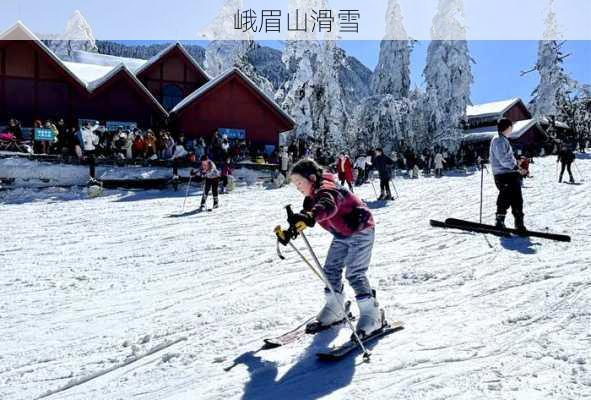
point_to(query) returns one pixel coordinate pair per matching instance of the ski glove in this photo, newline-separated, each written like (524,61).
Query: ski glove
(302,220)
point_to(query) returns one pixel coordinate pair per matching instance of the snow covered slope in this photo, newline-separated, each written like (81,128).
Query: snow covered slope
(156,306)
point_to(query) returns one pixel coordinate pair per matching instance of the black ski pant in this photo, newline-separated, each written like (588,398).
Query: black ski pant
(210,184)
(343,181)
(566,166)
(510,196)
(385,185)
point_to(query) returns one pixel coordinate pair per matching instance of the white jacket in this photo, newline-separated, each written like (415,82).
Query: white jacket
(439,161)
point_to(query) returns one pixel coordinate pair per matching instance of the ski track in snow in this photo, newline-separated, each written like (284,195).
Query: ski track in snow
(87,284)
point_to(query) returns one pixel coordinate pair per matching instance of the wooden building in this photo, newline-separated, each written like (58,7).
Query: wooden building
(36,84)
(231,101)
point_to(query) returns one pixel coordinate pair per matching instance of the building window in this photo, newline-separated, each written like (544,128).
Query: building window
(171,96)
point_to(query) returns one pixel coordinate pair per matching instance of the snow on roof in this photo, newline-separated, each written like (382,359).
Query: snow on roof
(20,32)
(491,109)
(168,49)
(87,72)
(86,57)
(212,83)
(92,86)
(488,132)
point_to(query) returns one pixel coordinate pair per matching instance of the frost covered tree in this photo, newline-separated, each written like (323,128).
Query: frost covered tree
(448,76)
(225,53)
(329,105)
(296,95)
(77,36)
(392,74)
(554,82)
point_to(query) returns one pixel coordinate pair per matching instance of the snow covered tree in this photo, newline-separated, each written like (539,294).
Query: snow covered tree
(225,53)
(296,95)
(77,36)
(330,110)
(392,74)
(448,75)
(554,81)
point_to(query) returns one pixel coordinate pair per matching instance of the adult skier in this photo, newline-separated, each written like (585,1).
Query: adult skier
(351,223)
(566,158)
(345,170)
(360,163)
(507,176)
(210,173)
(383,164)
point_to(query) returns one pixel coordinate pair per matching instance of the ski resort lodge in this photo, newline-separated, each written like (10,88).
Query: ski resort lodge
(529,134)
(170,90)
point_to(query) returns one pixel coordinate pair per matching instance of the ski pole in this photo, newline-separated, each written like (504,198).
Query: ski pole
(373,186)
(481,188)
(578,170)
(394,187)
(187,192)
(366,353)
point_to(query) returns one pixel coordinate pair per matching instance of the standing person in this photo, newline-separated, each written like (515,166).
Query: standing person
(507,176)
(360,167)
(345,170)
(137,149)
(150,149)
(14,127)
(210,173)
(439,161)
(226,172)
(566,158)
(383,164)
(368,164)
(350,222)
(284,161)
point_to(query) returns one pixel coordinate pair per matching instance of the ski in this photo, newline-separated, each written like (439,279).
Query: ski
(496,232)
(507,232)
(302,330)
(341,351)
(543,235)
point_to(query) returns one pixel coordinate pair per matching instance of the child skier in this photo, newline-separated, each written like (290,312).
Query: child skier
(209,172)
(507,176)
(351,223)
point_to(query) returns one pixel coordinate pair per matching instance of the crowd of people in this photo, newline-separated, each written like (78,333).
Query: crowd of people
(130,143)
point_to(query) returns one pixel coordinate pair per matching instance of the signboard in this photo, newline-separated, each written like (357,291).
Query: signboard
(44,134)
(114,125)
(269,149)
(233,134)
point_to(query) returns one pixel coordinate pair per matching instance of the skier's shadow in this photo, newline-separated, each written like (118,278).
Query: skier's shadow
(185,214)
(376,204)
(309,378)
(522,245)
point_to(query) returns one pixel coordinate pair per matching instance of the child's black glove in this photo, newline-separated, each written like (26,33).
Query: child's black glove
(302,220)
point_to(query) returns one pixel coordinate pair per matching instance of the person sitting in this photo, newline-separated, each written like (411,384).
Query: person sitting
(137,148)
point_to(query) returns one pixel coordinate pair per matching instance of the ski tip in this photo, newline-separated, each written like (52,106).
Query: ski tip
(270,344)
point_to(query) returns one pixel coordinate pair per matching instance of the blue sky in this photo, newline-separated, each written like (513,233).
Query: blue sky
(498,62)
(496,71)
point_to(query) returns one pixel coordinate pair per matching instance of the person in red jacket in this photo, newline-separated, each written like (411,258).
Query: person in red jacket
(351,223)
(345,170)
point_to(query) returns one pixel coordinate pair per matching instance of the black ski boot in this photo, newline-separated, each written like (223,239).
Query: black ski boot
(519,226)
(500,221)
(215,202)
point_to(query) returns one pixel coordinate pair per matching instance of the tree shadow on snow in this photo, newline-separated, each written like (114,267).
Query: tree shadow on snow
(522,245)
(309,378)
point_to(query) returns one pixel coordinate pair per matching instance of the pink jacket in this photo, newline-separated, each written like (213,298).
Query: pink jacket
(337,210)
